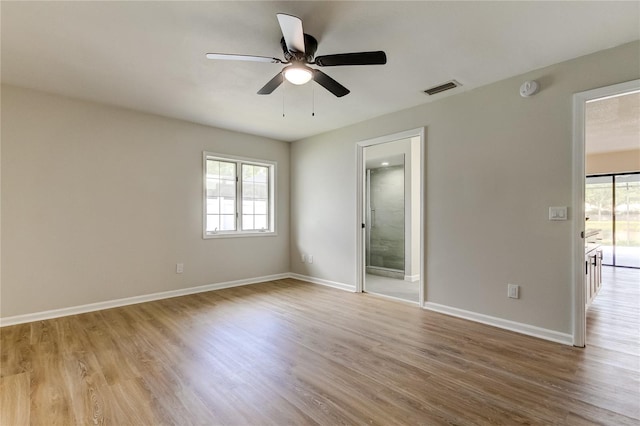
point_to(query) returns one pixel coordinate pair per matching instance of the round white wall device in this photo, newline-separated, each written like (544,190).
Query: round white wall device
(528,88)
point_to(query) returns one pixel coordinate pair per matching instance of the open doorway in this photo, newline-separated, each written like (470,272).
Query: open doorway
(606,153)
(390,236)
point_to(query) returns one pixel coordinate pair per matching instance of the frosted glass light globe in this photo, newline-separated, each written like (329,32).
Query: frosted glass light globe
(298,75)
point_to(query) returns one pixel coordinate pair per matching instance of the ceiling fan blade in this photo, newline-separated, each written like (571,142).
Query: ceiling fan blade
(360,58)
(272,84)
(292,32)
(330,84)
(231,57)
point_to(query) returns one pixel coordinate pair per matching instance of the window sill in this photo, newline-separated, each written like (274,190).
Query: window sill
(209,236)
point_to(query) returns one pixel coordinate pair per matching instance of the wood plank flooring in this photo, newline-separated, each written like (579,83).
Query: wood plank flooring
(292,353)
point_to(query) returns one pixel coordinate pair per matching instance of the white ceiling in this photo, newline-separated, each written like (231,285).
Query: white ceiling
(150,56)
(613,124)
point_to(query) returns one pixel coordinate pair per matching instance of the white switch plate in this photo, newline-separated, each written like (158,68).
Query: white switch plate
(558,213)
(513,291)
(179,268)
(310,258)
(303,258)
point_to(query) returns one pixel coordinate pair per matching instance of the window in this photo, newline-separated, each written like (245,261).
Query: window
(238,196)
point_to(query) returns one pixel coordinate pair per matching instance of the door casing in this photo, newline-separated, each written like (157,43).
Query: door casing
(578,182)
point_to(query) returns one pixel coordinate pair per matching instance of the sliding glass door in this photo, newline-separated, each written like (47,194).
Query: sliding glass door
(613,207)
(627,220)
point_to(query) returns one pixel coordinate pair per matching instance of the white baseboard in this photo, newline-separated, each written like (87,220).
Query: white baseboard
(74,310)
(412,278)
(314,280)
(530,330)
(518,327)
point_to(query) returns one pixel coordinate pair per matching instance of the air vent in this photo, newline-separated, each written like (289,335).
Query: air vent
(442,87)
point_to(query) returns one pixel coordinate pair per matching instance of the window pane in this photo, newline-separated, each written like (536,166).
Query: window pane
(221,193)
(261,190)
(247,172)
(227,171)
(260,174)
(260,207)
(247,222)
(228,188)
(213,205)
(213,187)
(213,222)
(228,206)
(627,220)
(227,222)
(255,197)
(599,212)
(260,221)
(213,168)
(247,190)
(221,169)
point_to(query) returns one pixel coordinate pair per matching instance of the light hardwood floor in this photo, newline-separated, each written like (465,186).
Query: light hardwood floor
(288,352)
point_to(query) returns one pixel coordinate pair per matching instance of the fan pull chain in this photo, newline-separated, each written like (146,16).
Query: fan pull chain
(283,103)
(313,100)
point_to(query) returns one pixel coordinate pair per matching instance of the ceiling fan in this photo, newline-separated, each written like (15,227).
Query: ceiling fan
(299,50)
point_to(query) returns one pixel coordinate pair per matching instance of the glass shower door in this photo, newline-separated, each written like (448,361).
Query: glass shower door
(385,249)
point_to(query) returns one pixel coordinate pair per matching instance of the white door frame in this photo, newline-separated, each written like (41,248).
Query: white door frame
(578,181)
(360,204)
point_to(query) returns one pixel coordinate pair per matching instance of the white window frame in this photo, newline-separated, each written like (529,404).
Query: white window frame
(271,165)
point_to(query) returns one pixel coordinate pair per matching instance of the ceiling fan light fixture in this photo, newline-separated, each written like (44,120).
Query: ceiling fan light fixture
(299,51)
(298,74)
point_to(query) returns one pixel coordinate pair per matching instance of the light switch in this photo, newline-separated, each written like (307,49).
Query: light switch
(513,291)
(558,213)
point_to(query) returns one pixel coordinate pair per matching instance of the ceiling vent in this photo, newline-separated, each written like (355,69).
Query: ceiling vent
(442,87)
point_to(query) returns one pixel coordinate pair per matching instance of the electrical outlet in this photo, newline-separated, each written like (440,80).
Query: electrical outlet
(179,268)
(310,258)
(304,258)
(513,291)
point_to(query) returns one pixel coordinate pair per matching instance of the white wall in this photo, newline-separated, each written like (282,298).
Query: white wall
(495,162)
(100,203)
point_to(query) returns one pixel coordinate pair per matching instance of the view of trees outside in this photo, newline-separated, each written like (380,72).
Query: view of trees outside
(600,210)
(255,197)
(221,196)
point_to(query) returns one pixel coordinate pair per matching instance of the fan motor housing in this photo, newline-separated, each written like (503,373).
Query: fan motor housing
(310,47)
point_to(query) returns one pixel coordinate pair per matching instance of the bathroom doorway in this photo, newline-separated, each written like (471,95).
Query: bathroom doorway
(391,221)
